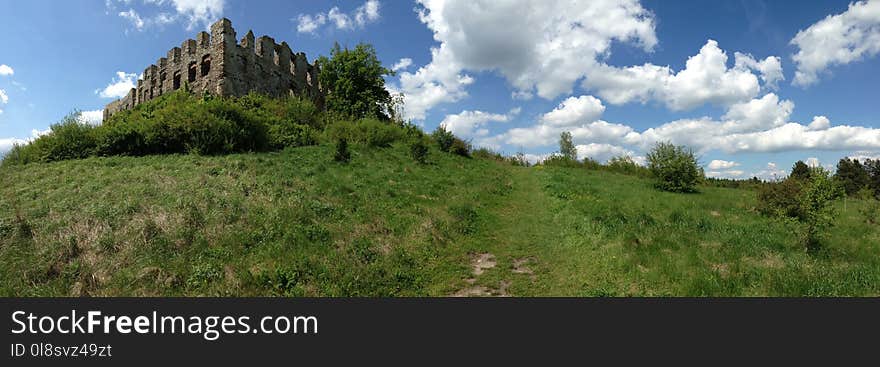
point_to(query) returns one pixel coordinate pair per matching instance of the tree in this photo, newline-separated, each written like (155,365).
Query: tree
(354,83)
(873,168)
(675,167)
(852,175)
(815,201)
(566,147)
(800,171)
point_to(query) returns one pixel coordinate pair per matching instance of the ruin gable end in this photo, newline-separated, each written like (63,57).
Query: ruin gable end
(217,64)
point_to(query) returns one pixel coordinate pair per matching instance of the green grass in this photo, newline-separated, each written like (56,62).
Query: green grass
(295,223)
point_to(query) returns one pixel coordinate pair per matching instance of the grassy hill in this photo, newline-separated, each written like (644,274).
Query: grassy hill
(295,223)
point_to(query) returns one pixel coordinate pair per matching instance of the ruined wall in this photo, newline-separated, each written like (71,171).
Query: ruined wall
(215,63)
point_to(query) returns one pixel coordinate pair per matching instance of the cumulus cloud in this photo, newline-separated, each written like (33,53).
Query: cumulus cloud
(546,53)
(402,64)
(770,68)
(4,98)
(472,124)
(603,152)
(757,114)
(6,70)
(119,86)
(574,110)
(819,123)
(721,165)
(6,144)
(759,125)
(193,12)
(705,79)
(360,17)
(732,173)
(91,117)
(837,40)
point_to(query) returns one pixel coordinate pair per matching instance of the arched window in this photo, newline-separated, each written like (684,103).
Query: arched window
(176,83)
(206,65)
(192,72)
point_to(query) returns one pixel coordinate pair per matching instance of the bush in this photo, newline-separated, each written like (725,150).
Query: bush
(460,147)
(566,146)
(370,132)
(68,139)
(419,151)
(871,209)
(290,134)
(626,165)
(781,199)
(342,154)
(675,168)
(818,213)
(444,138)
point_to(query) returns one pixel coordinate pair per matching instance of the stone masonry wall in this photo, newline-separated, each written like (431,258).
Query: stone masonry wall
(215,63)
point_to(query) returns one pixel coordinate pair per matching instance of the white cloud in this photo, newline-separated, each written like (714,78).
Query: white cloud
(309,23)
(472,124)
(193,12)
(134,18)
(837,40)
(813,162)
(363,15)
(705,79)
(402,64)
(119,86)
(770,68)
(4,98)
(552,45)
(718,164)
(601,152)
(91,117)
(819,123)
(757,114)
(760,125)
(6,144)
(6,70)
(574,110)
(733,173)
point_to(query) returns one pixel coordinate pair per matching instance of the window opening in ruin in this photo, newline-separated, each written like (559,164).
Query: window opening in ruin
(206,65)
(192,72)
(176,82)
(161,82)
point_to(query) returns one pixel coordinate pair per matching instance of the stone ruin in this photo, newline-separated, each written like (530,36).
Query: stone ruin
(215,63)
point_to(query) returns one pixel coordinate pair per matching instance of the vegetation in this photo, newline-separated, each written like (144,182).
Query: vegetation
(354,81)
(196,195)
(675,168)
(566,147)
(800,171)
(293,222)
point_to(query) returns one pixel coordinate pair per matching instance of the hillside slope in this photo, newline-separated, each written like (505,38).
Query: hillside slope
(295,223)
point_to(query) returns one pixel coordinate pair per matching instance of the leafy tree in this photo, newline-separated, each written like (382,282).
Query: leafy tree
(815,201)
(800,171)
(353,79)
(675,167)
(419,151)
(872,166)
(852,175)
(444,138)
(566,147)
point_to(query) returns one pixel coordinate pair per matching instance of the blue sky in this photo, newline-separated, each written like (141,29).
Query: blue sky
(751,85)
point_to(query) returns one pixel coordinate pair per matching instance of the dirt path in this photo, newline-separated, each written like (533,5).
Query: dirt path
(509,257)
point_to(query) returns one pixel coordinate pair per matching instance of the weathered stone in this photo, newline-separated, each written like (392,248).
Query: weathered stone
(215,63)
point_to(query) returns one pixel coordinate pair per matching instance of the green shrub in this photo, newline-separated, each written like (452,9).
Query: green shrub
(291,134)
(68,139)
(781,198)
(566,146)
(818,213)
(626,165)
(370,132)
(674,167)
(460,147)
(444,138)
(419,151)
(342,154)
(871,208)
